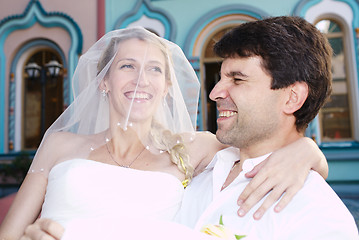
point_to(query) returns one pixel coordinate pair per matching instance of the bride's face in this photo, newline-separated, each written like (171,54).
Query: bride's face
(136,75)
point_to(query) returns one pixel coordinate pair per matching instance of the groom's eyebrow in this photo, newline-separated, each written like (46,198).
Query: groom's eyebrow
(235,74)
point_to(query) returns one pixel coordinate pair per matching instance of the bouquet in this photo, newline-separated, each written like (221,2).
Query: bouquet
(220,231)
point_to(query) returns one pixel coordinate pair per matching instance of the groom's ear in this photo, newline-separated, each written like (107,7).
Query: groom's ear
(297,94)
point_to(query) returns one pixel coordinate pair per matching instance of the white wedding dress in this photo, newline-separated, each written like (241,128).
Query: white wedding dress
(81,188)
(93,200)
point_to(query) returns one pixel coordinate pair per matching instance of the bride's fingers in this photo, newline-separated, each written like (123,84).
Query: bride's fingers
(272,197)
(34,232)
(287,197)
(43,229)
(51,227)
(252,186)
(255,197)
(255,170)
(282,192)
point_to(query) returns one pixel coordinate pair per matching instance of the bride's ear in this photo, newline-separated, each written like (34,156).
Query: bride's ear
(165,91)
(103,85)
(297,94)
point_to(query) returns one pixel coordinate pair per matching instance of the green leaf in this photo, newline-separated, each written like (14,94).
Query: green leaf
(239,236)
(221,220)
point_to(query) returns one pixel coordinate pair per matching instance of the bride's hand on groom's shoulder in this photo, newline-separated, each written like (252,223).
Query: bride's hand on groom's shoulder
(43,229)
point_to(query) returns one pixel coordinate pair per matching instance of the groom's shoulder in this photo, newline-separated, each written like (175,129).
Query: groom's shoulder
(315,190)
(319,209)
(317,195)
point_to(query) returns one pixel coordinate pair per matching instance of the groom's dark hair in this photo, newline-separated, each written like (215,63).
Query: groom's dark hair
(292,50)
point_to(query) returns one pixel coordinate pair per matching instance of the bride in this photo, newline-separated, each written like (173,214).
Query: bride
(126,148)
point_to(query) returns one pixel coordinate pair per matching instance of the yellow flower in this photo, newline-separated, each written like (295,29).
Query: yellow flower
(220,231)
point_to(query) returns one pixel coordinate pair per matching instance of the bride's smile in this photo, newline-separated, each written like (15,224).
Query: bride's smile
(138,96)
(136,82)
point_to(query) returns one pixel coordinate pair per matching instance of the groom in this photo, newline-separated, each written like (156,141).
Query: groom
(275,76)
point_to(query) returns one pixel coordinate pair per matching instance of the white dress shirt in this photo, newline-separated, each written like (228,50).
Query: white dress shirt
(315,212)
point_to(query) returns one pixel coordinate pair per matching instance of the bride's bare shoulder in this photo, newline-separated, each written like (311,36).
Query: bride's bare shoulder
(68,140)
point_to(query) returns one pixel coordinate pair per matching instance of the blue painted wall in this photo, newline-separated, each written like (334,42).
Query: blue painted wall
(188,12)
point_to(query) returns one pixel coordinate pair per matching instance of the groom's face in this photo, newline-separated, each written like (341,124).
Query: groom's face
(248,108)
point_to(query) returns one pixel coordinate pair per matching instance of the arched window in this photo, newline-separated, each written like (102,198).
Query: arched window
(336,120)
(43,95)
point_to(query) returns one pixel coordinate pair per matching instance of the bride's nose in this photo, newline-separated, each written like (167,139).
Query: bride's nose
(142,79)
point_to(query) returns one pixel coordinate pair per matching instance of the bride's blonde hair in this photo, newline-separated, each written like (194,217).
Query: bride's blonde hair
(174,144)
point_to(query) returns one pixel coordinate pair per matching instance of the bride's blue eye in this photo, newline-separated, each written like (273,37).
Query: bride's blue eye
(156,69)
(126,66)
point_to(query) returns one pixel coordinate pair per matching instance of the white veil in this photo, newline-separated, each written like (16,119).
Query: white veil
(92,113)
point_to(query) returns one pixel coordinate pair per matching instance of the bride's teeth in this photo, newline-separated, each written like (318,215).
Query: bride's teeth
(139,95)
(227,114)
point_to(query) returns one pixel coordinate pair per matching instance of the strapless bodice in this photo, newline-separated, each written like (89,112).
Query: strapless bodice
(81,188)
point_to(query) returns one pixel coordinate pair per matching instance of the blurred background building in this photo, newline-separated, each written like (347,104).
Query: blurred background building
(41,41)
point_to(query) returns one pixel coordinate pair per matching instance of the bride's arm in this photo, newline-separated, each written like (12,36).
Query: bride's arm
(27,204)
(25,207)
(284,172)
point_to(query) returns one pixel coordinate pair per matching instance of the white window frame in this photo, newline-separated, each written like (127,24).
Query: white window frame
(342,13)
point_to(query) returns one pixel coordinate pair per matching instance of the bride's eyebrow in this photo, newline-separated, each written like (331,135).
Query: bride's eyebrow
(126,59)
(134,60)
(155,62)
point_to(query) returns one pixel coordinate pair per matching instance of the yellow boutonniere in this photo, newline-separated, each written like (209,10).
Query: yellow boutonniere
(220,231)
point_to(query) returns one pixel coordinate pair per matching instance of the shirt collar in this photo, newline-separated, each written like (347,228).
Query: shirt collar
(228,155)
(231,154)
(250,163)
(222,164)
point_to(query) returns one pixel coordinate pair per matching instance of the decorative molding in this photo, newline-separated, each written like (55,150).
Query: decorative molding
(34,13)
(213,16)
(145,8)
(302,7)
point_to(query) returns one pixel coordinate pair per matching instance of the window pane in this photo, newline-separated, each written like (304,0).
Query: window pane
(43,100)
(32,112)
(335,115)
(336,125)
(328,26)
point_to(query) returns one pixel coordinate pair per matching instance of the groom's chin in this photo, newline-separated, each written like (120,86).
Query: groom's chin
(222,136)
